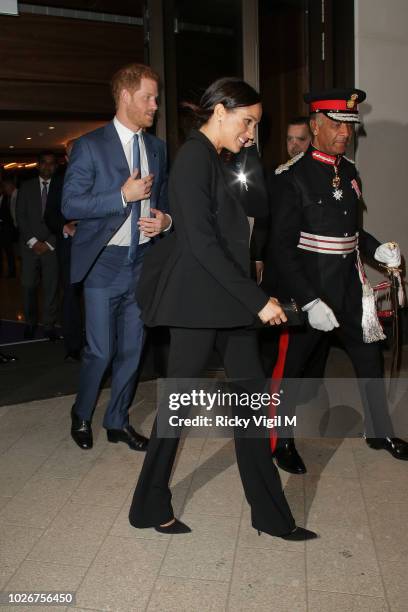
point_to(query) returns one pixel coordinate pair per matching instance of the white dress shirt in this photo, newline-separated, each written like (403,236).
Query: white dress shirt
(123,236)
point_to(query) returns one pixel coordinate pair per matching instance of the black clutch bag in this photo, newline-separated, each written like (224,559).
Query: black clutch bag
(295,315)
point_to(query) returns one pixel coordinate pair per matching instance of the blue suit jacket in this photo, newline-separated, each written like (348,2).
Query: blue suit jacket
(96,172)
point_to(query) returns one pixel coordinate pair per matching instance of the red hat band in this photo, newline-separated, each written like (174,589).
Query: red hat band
(334,105)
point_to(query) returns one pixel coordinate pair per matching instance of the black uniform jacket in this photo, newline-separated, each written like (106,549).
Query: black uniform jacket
(302,200)
(199,275)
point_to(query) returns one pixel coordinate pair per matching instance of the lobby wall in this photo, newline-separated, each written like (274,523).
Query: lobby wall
(381,58)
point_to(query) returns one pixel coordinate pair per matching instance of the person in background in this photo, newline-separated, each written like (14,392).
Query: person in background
(38,246)
(64,231)
(8,203)
(8,229)
(298,136)
(10,189)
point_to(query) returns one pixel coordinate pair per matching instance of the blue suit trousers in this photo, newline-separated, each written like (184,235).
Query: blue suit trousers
(114,333)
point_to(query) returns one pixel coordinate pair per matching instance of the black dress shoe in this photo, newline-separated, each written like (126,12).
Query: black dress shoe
(176,527)
(288,458)
(299,534)
(29,331)
(81,431)
(395,446)
(128,435)
(72,357)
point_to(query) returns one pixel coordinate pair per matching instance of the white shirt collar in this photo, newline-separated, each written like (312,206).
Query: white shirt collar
(48,181)
(124,133)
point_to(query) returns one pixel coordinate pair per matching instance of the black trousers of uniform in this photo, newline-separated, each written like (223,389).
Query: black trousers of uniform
(189,353)
(367,361)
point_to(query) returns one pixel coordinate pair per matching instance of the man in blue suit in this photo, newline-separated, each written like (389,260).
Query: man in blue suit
(116,189)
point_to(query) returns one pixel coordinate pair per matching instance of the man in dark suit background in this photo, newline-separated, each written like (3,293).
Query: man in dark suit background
(116,187)
(64,230)
(38,254)
(8,230)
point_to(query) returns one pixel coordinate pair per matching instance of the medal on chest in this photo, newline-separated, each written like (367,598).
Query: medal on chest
(337,193)
(334,161)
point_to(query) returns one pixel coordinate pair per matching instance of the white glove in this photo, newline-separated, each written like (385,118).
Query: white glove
(388,253)
(321,316)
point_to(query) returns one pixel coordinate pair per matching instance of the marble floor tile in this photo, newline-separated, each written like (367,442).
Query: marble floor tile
(206,553)
(33,576)
(388,523)
(215,493)
(107,483)
(395,577)
(38,502)
(64,522)
(181,595)
(345,562)
(342,602)
(16,542)
(332,499)
(261,577)
(122,575)
(16,468)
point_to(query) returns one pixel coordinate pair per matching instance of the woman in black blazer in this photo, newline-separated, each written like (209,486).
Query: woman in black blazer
(197,282)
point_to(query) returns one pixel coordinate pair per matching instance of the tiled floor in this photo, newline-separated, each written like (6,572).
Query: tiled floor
(63,524)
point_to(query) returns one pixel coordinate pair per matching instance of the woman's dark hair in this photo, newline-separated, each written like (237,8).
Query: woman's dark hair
(231,92)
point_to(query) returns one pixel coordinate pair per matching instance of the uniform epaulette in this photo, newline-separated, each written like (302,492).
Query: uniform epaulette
(349,160)
(289,163)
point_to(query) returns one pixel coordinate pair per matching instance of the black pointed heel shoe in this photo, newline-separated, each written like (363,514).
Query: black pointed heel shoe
(176,527)
(299,534)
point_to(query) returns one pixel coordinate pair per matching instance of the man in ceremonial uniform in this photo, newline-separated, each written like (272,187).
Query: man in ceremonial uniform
(313,256)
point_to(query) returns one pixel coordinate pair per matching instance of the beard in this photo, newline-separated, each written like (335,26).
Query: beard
(141,119)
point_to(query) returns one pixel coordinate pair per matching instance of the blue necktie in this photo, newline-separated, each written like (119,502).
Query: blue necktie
(135,214)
